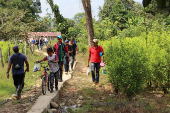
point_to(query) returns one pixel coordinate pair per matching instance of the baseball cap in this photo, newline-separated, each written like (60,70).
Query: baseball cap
(59,36)
(95,41)
(66,41)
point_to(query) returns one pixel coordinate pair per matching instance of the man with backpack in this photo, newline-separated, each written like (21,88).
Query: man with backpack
(17,61)
(60,50)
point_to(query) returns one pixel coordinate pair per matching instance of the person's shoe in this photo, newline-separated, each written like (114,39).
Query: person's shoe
(15,96)
(19,97)
(66,73)
(51,90)
(97,84)
(94,84)
(60,80)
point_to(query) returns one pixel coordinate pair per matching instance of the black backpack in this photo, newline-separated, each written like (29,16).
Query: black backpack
(16,63)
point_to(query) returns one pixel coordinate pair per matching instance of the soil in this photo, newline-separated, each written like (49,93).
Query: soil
(22,106)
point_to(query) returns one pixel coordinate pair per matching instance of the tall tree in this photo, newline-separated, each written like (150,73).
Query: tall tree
(61,23)
(89,21)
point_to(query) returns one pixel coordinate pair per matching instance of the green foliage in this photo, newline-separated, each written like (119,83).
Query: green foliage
(131,64)
(18,18)
(4,48)
(161,3)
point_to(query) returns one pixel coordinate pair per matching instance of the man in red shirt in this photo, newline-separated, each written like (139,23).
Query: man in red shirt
(94,54)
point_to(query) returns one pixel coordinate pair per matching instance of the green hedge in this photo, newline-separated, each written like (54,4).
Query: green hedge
(4,48)
(133,63)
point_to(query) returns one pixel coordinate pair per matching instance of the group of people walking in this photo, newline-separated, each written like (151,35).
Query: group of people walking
(61,53)
(40,42)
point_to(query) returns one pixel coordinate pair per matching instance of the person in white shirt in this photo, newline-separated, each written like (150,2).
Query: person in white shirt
(45,41)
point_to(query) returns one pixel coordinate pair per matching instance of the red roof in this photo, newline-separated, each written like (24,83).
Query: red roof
(44,33)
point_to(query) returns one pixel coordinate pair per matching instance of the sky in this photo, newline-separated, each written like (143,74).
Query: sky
(68,8)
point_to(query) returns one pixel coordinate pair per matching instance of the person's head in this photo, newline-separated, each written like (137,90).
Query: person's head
(59,39)
(33,38)
(66,42)
(72,40)
(16,48)
(50,51)
(95,42)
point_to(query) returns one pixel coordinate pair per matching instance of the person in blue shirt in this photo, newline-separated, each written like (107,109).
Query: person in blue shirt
(18,74)
(33,41)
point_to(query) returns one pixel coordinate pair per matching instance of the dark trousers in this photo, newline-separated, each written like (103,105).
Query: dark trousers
(41,45)
(52,77)
(95,67)
(72,61)
(19,82)
(66,64)
(60,63)
(38,46)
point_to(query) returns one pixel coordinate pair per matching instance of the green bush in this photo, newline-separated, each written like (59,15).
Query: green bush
(134,62)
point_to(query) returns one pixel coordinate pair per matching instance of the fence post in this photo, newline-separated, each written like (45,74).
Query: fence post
(8,52)
(50,39)
(25,48)
(2,63)
(29,47)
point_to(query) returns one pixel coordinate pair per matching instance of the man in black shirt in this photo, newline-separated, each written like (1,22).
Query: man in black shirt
(73,53)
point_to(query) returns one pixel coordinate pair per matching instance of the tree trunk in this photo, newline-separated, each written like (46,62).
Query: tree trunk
(89,21)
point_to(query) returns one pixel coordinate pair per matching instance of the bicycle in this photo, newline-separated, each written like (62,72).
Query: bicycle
(45,78)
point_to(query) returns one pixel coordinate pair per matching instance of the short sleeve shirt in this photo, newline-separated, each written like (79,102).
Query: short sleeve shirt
(95,54)
(74,50)
(22,58)
(33,41)
(54,67)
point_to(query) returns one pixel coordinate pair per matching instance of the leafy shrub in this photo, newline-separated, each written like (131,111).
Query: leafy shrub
(132,63)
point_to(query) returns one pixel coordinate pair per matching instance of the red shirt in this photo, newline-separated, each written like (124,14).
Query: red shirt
(95,54)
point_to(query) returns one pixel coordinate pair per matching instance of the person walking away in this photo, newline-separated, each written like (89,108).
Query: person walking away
(94,54)
(37,43)
(66,57)
(54,67)
(33,41)
(73,53)
(60,50)
(17,62)
(41,43)
(45,41)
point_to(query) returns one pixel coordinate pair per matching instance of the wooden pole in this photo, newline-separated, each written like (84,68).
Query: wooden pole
(50,39)
(2,63)
(25,48)
(8,52)
(29,47)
